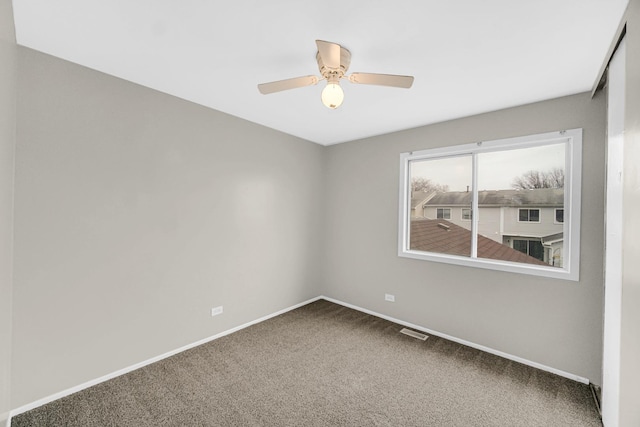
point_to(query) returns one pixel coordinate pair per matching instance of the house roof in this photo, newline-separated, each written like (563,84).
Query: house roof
(535,197)
(420,197)
(440,236)
(553,238)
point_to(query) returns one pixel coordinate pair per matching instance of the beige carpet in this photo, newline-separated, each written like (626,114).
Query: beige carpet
(326,365)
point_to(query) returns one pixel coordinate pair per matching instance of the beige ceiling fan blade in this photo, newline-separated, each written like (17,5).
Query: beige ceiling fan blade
(330,53)
(280,85)
(382,80)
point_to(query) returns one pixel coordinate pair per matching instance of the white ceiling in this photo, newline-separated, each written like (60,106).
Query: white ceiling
(467,56)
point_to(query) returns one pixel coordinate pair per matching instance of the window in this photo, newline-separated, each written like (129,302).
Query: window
(529,215)
(516,185)
(443,213)
(467,214)
(532,248)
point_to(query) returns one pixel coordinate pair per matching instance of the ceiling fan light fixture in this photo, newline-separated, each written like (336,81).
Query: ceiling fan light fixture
(333,62)
(332,95)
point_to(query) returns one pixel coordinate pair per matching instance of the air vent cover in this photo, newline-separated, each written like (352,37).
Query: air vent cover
(414,334)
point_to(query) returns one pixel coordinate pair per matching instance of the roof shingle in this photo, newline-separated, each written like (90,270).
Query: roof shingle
(534,197)
(440,236)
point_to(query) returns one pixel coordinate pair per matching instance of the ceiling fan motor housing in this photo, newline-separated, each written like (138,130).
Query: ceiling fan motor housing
(345,61)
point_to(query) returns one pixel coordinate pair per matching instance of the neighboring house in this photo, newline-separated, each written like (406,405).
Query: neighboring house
(530,221)
(418,199)
(441,236)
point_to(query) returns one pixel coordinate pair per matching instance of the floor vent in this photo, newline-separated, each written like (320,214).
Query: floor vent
(414,334)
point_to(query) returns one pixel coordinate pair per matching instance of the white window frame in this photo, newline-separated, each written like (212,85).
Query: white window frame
(572,192)
(462,218)
(443,211)
(529,215)
(555,216)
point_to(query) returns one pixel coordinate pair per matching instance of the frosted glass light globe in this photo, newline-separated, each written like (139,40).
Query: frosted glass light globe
(332,95)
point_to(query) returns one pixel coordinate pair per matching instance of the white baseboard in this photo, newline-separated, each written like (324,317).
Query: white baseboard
(464,342)
(128,369)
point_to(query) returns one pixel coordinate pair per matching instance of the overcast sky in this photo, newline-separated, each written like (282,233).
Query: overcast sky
(496,171)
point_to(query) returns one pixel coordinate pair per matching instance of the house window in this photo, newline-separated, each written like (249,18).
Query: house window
(532,248)
(502,179)
(467,214)
(443,213)
(529,215)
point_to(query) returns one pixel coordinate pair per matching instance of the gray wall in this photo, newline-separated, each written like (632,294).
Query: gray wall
(553,322)
(136,213)
(630,335)
(7,144)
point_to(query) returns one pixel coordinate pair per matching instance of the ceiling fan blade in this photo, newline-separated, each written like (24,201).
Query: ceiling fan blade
(330,53)
(280,85)
(382,79)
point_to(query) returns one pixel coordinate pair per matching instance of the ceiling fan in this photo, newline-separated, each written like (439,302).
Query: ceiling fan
(333,63)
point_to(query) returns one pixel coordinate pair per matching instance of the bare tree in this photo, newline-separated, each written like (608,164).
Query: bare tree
(553,178)
(425,185)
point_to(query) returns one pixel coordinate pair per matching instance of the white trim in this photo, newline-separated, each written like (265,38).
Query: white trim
(615,43)
(555,216)
(75,389)
(443,211)
(529,214)
(464,342)
(404,217)
(474,206)
(612,333)
(80,387)
(572,203)
(462,218)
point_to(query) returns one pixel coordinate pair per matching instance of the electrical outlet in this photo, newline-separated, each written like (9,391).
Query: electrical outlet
(389,297)
(216,310)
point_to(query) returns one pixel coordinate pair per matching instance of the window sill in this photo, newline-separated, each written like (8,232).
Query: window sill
(506,266)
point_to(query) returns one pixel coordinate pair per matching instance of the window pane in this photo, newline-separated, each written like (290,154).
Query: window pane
(536,250)
(559,215)
(443,213)
(534,215)
(519,193)
(524,215)
(442,187)
(521,245)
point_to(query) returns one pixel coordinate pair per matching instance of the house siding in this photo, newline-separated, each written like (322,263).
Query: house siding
(546,226)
